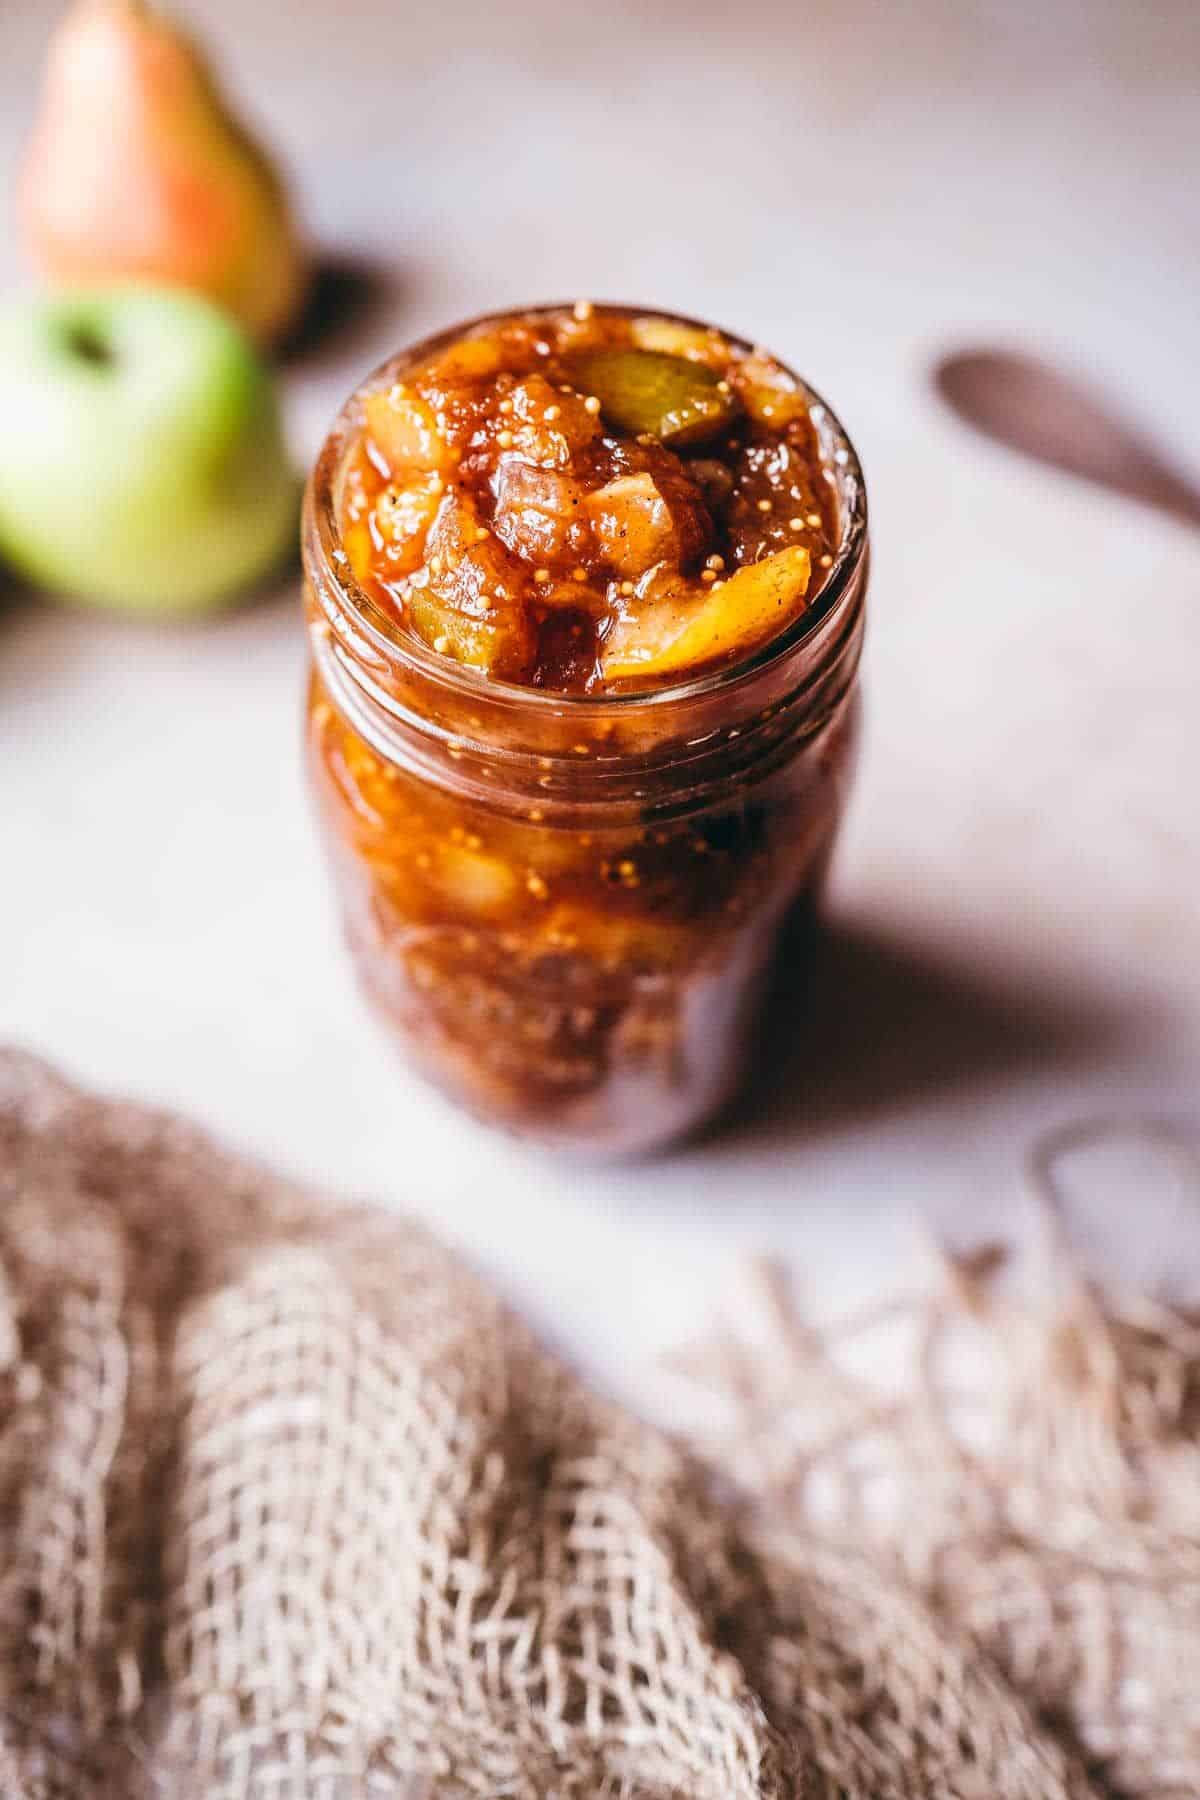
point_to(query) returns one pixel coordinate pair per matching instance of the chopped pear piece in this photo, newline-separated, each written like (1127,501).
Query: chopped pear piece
(688,626)
(498,644)
(465,602)
(678,401)
(769,393)
(656,515)
(470,359)
(549,426)
(404,431)
(632,524)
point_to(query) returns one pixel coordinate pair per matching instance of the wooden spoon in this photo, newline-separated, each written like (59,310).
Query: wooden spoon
(1036,409)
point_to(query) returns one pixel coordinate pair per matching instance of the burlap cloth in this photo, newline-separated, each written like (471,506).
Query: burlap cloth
(291,1506)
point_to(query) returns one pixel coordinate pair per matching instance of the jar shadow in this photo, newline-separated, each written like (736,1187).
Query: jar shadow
(859,1023)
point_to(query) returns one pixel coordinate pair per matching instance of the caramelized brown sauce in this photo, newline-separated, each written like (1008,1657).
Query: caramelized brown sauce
(589,499)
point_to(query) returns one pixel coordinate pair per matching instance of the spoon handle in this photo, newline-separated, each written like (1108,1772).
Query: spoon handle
(1035,409)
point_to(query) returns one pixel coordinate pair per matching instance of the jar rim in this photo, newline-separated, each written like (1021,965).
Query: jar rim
(390,638)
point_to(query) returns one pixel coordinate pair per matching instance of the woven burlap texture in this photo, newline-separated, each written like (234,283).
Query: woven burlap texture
(293,1507)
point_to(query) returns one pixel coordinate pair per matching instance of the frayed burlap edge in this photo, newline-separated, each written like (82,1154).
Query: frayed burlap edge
(1029,1467)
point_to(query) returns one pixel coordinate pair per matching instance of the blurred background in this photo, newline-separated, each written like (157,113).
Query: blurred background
(1015,914)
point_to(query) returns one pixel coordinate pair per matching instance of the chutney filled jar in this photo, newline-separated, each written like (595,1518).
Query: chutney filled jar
(585,590)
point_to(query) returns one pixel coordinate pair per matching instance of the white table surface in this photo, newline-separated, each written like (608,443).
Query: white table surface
(1017,898)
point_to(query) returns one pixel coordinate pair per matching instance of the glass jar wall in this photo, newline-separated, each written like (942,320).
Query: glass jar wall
(567,906)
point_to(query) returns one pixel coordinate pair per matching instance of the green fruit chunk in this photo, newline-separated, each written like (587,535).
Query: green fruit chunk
(676,400)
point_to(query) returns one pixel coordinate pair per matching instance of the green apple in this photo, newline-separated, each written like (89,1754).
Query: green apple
(142,463)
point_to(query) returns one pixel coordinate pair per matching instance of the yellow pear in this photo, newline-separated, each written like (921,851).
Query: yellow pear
(138,170)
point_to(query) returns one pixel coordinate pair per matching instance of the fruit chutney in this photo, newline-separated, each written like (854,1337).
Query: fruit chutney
(585,594)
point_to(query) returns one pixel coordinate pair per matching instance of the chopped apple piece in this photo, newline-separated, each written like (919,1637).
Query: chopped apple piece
(467,564)
(655,513)
(620,940)
(400,519)
(549,425)
(539,513)
(685,626)
(479,883)
(404,431)
(674,399)
(360,549)
(671,336)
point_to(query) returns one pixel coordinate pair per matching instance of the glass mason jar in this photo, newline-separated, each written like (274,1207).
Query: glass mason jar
(568,907)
